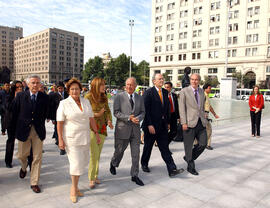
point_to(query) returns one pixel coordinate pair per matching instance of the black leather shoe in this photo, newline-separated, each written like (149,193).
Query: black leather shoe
(145,169)
(176,172)
(192,171)
(36,189)
(9,165)
(22,173)
(209,148)
(62,152)
(185,158)
(137,180)
(112,169)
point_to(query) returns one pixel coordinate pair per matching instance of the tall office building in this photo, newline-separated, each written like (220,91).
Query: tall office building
(53,54)
(7,37)
(214,37)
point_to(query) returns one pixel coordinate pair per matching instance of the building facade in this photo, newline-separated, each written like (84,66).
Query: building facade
(7,37)
(53,54)
(214,37)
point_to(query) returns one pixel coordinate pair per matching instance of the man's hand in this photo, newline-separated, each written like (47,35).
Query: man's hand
(135,120)
(151,129)
(169,126)
(216,116)
(185,127)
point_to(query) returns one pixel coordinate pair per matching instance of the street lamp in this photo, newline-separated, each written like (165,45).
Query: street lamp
(131,24)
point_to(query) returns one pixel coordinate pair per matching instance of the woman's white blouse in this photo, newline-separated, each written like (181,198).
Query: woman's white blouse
(76,129)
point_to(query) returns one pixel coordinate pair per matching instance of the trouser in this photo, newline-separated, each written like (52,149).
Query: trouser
(33,141)
(256,122)
(192,152)
(10,146)
(161,137)
(120,146)
(209,133)
(3,126)
(95,150)
(173,127)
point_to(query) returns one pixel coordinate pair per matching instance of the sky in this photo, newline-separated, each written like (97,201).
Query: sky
(103,23)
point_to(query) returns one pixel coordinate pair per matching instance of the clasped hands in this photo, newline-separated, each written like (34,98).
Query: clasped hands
(133,119)
(256,109)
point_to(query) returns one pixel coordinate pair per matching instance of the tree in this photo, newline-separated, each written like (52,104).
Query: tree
(213,81)
(93,68)
(239,77)
(118,70)
(166,77)
(142,73)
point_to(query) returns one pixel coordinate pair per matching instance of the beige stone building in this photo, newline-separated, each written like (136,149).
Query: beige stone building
(53,54)
(7,37)
(212,37)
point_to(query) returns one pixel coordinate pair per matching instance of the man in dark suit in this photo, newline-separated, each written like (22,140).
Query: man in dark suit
(29,115)
(155,125)
(128,108)
(174,119)
(3,95)
(192,116)
(54,100)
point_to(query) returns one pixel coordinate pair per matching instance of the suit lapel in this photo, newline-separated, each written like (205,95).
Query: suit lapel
(156,95)
(193,96)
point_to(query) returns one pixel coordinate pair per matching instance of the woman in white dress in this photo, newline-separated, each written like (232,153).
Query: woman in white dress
(74,120)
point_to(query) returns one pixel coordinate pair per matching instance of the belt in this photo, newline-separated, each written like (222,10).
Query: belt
(206,111)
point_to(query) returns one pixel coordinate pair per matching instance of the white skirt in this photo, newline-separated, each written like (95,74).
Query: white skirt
(78,157)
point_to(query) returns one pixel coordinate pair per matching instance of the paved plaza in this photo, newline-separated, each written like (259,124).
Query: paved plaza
(235,174)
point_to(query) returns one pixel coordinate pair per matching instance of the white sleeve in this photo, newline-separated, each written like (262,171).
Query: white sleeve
(90,111)
(60,114)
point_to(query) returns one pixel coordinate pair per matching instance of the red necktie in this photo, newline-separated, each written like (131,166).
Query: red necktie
(170,98)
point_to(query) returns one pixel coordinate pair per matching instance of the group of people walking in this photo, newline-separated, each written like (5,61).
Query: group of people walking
(81,123)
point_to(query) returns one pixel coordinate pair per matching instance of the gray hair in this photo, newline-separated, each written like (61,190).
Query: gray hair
(133,78)
(32,76)
(154,76)
(196,74)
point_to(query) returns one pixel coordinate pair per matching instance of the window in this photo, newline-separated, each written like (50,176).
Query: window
(170,16)
(255,38)
(197,71)
(171,6)
(268,52)
(197,21)
(267,69)
(256,23)
(183,35)
(182,57)
(212,70)
(249,25)
(184,13)
(158,19)
(231,70)
(248,38)
(257,10)
(183,24)
(170,37)
(170,27)
(182,46)
(213,54)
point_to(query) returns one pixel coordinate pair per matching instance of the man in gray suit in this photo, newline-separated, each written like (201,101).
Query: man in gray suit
(129,110)
(192,116)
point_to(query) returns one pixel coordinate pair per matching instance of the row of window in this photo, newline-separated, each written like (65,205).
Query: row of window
(213,54)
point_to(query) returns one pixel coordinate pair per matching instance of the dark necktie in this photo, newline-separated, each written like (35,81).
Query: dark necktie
(33,101)
(196,96)
(131,101)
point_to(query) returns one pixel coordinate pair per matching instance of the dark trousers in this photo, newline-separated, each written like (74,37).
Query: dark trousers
(255,122)
(173,128)
(193,152)
(161,137)
(120,146)
(10,146)
(3,126)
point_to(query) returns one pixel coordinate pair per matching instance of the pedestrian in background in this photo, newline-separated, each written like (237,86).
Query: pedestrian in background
(3,94)
(15,88)
(256,104)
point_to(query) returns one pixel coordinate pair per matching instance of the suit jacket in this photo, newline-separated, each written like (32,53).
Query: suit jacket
(189,110)
(54,100)
(156,113)
(176,106)
(24,117)
(76,129)
(258,103)
(122,110)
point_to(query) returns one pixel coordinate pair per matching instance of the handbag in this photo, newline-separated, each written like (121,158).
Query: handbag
(179,135)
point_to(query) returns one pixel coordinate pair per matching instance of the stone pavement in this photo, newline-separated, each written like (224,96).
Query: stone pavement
(235,174)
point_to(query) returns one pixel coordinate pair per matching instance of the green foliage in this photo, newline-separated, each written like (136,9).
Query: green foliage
(166,77)
(93,68)
(213,81)
(117,70)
